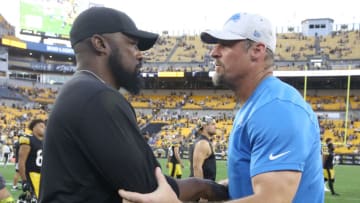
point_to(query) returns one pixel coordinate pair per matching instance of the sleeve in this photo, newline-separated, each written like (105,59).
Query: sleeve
(173,185)
(24,140)
(281,136)
(111,140)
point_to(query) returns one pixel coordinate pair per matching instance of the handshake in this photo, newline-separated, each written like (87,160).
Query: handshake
(190,189)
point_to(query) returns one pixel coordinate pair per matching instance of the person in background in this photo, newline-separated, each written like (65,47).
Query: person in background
(30,157)
(6,150)
(174,162)
(202,157)
(329,172)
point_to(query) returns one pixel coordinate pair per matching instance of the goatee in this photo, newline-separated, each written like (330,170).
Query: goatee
(217,79)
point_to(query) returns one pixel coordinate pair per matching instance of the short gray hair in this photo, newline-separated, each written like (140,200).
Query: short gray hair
(269,54)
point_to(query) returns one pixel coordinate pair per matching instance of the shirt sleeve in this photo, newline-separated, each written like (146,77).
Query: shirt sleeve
(24,140)
(173,185)
(111,140)
(281,135)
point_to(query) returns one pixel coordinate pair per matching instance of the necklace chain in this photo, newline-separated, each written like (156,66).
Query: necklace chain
(93,74)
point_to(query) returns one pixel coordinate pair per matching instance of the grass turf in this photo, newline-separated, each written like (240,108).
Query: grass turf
(347,180)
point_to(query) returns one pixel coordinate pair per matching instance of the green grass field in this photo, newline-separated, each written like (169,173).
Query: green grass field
(347,181)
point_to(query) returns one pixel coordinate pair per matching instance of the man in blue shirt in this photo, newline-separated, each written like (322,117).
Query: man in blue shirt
(275,141)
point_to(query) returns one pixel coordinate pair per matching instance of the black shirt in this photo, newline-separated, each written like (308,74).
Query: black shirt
(172,154)
(34,160)
(209,165)
(330,156)
(93,146)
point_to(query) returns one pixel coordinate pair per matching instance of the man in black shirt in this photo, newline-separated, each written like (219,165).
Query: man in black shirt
(93,145)
(329,172)
(202,157)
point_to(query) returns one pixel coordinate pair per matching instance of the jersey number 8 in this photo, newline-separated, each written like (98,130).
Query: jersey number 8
(39,158)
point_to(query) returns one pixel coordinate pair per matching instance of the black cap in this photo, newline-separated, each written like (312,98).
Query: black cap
(100,20)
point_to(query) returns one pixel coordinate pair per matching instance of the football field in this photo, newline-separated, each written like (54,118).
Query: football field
(347,180)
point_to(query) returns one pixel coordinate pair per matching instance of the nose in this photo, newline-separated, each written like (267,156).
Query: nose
(215,52)
(139,55)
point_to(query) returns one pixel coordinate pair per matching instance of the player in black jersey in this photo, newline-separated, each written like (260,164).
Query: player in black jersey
(30,157)
(328,165)
(202,158)
(174,161)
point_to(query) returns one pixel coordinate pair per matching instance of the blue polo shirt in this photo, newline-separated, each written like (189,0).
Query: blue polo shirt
(275,130)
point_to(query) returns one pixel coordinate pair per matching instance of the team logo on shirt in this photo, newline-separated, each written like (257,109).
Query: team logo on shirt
(273,157)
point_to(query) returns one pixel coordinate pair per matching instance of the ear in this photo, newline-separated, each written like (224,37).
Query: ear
(258,51)
(99,44)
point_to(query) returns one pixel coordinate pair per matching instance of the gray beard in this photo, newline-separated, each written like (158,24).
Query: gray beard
(217,79)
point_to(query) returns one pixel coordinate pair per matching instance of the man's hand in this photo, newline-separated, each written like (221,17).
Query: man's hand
(163,194)
(216,191)
(224,182)
(25,186)
(192,189)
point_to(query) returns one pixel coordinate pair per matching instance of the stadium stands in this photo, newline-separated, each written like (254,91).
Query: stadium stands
(294,47)
(161,50)
(5,27)
(168,114)
(189,49)
(8,93)
(342,45)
